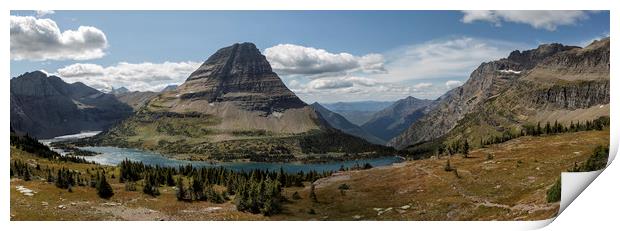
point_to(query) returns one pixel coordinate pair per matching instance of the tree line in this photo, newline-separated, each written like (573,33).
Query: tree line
(549,129)
(32,145)
(255,191)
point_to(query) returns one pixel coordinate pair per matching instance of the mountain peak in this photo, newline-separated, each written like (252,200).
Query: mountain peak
(529,58)
(239,74)
(239,57)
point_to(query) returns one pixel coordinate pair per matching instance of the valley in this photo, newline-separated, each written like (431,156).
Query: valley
(233,142)
(507,181)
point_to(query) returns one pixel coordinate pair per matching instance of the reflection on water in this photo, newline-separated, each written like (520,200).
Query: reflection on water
(114,155)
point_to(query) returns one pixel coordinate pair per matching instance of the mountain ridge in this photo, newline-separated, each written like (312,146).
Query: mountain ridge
(337,121)
(393,120)
(45,106)
(507,93)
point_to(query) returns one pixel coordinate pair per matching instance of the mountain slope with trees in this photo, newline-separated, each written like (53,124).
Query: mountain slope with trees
(551,83)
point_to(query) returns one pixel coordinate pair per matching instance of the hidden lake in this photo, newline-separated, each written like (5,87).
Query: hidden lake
(114,155)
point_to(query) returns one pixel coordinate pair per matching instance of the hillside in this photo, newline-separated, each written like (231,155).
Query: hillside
(339,122)
(506,181)
(136,99)
(358,112)
(393,120)
(45,106)
(552,82)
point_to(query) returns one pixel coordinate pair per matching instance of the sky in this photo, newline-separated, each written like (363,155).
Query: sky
(324,56)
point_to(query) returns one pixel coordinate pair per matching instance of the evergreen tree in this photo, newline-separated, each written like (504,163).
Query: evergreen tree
(169,179)
(104,190)
(313,194)
(466,149)
(151,187)
(181,192)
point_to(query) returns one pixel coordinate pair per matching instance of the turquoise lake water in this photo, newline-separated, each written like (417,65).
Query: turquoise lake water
(114,155)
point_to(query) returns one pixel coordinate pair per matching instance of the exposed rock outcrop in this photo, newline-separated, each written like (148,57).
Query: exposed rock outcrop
(242,75)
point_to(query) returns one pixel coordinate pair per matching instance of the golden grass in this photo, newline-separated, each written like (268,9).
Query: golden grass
(511,186)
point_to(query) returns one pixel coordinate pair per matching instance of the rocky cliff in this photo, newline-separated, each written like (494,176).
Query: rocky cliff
(242,75)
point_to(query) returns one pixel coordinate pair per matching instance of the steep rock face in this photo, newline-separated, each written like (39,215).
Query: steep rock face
(46,107)
(242,75)
(339,122)
(237,84)
(574,95)
(500,79)
(393,120)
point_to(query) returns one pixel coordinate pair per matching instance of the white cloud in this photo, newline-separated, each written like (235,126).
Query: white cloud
(41,39)
(339,82)
(41,13)
(329,84)
(539,19)
(81,70)
(422,85)
(418,70)
(587,42)
(134,76)
(450,84)
(447,58)
(289,59)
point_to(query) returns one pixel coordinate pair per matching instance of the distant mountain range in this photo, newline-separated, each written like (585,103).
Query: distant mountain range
(45,106)
(393,120)
(358,112)
(339,122)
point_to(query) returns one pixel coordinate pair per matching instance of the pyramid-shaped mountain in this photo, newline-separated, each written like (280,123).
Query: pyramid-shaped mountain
(242,75)
(233,107)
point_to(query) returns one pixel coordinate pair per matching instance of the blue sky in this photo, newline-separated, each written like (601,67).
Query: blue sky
(354,55)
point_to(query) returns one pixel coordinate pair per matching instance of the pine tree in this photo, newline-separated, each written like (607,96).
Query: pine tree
(104,190)
(466,149)
(181,192)
(151,187)
(170,179)
(313,194)
(27,174)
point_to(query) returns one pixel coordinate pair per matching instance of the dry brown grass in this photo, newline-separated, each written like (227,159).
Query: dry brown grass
(511,186)
(84,204)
